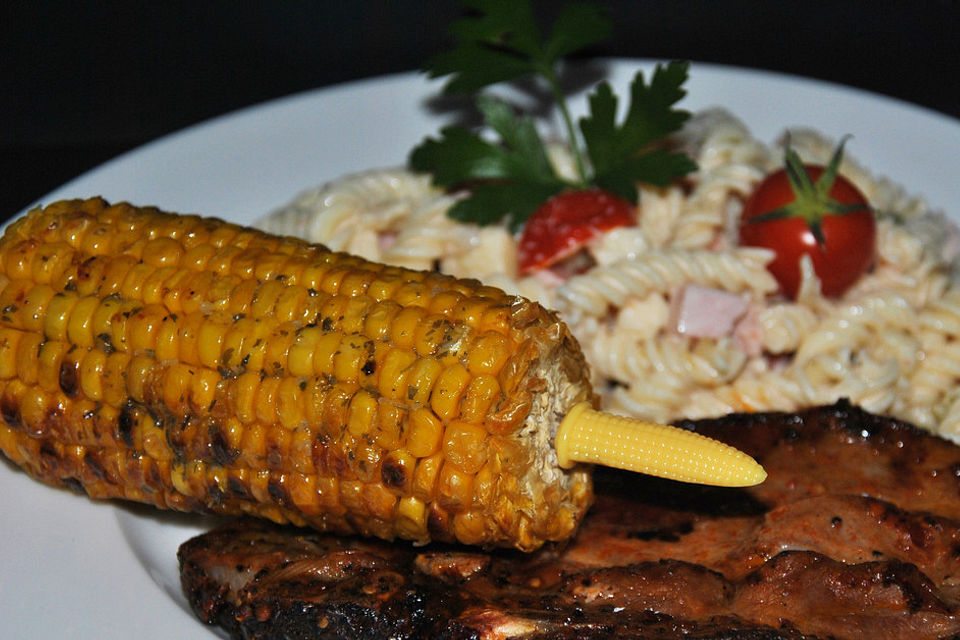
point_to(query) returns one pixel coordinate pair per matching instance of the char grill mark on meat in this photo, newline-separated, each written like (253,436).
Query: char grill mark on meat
(855,534)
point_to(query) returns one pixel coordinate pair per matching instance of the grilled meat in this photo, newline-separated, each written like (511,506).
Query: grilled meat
(855,534)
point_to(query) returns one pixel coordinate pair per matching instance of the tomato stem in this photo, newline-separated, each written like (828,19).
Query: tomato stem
(812,200)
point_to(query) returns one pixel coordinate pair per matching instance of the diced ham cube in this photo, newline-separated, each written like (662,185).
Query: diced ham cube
(705,312)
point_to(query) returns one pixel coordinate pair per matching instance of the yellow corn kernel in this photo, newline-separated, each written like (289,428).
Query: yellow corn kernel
(389,434)
(394,373)
(137,376)
(454,488)
(57,318)
(80,324)
(379,320)
(167,339)
(203,391)
(142,327)
(210,340)
(430,334)
(448,390)
(355,314)
(34,307)
(421,378)
(465,446)
(411,520)
(113,384)
(354,352)
(351,497)
(155,285)
(300,357)
(487,353)
(380,502)
(92,373)
(405,325)
(131,285)
(424,433)
(50,261)
(481,394)
(49,360)
(266,404)
(363,413)
(288,402)
(245,390)
(162,252)
(196,257)
(28,351)
(470,527)
(301,450)
(189,334)
(425,477)
(290,305)
(277,348)
(9,343)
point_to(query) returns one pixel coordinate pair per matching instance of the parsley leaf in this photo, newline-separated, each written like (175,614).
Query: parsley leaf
(519,168)
(617,152)
(512,176)
(503,43)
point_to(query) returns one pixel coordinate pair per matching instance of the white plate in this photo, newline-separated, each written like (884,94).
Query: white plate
(73,569)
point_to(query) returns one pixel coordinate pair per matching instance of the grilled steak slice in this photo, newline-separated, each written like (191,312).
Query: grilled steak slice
(855,534)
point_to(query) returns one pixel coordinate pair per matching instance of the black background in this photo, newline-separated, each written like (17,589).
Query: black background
(85,81)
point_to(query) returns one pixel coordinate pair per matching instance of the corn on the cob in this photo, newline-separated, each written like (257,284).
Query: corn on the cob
(198,365)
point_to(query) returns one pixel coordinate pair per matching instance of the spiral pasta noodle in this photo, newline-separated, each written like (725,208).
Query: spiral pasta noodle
(891,343)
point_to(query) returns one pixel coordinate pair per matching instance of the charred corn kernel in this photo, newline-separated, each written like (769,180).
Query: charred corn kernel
(198,365)
(396,471)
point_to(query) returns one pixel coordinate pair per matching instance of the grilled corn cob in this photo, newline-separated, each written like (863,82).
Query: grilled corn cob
(197,365)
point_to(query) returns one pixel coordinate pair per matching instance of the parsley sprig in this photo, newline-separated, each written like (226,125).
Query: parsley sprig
(512,176)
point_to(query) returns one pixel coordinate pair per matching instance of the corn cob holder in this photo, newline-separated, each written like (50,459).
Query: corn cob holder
(197,365)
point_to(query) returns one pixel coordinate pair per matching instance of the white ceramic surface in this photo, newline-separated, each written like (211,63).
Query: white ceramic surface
(73,569)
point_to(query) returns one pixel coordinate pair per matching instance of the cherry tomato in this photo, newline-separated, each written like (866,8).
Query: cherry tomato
(566,222)
(786,217)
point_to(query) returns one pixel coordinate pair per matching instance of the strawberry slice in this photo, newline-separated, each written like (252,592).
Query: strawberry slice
(567,221)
